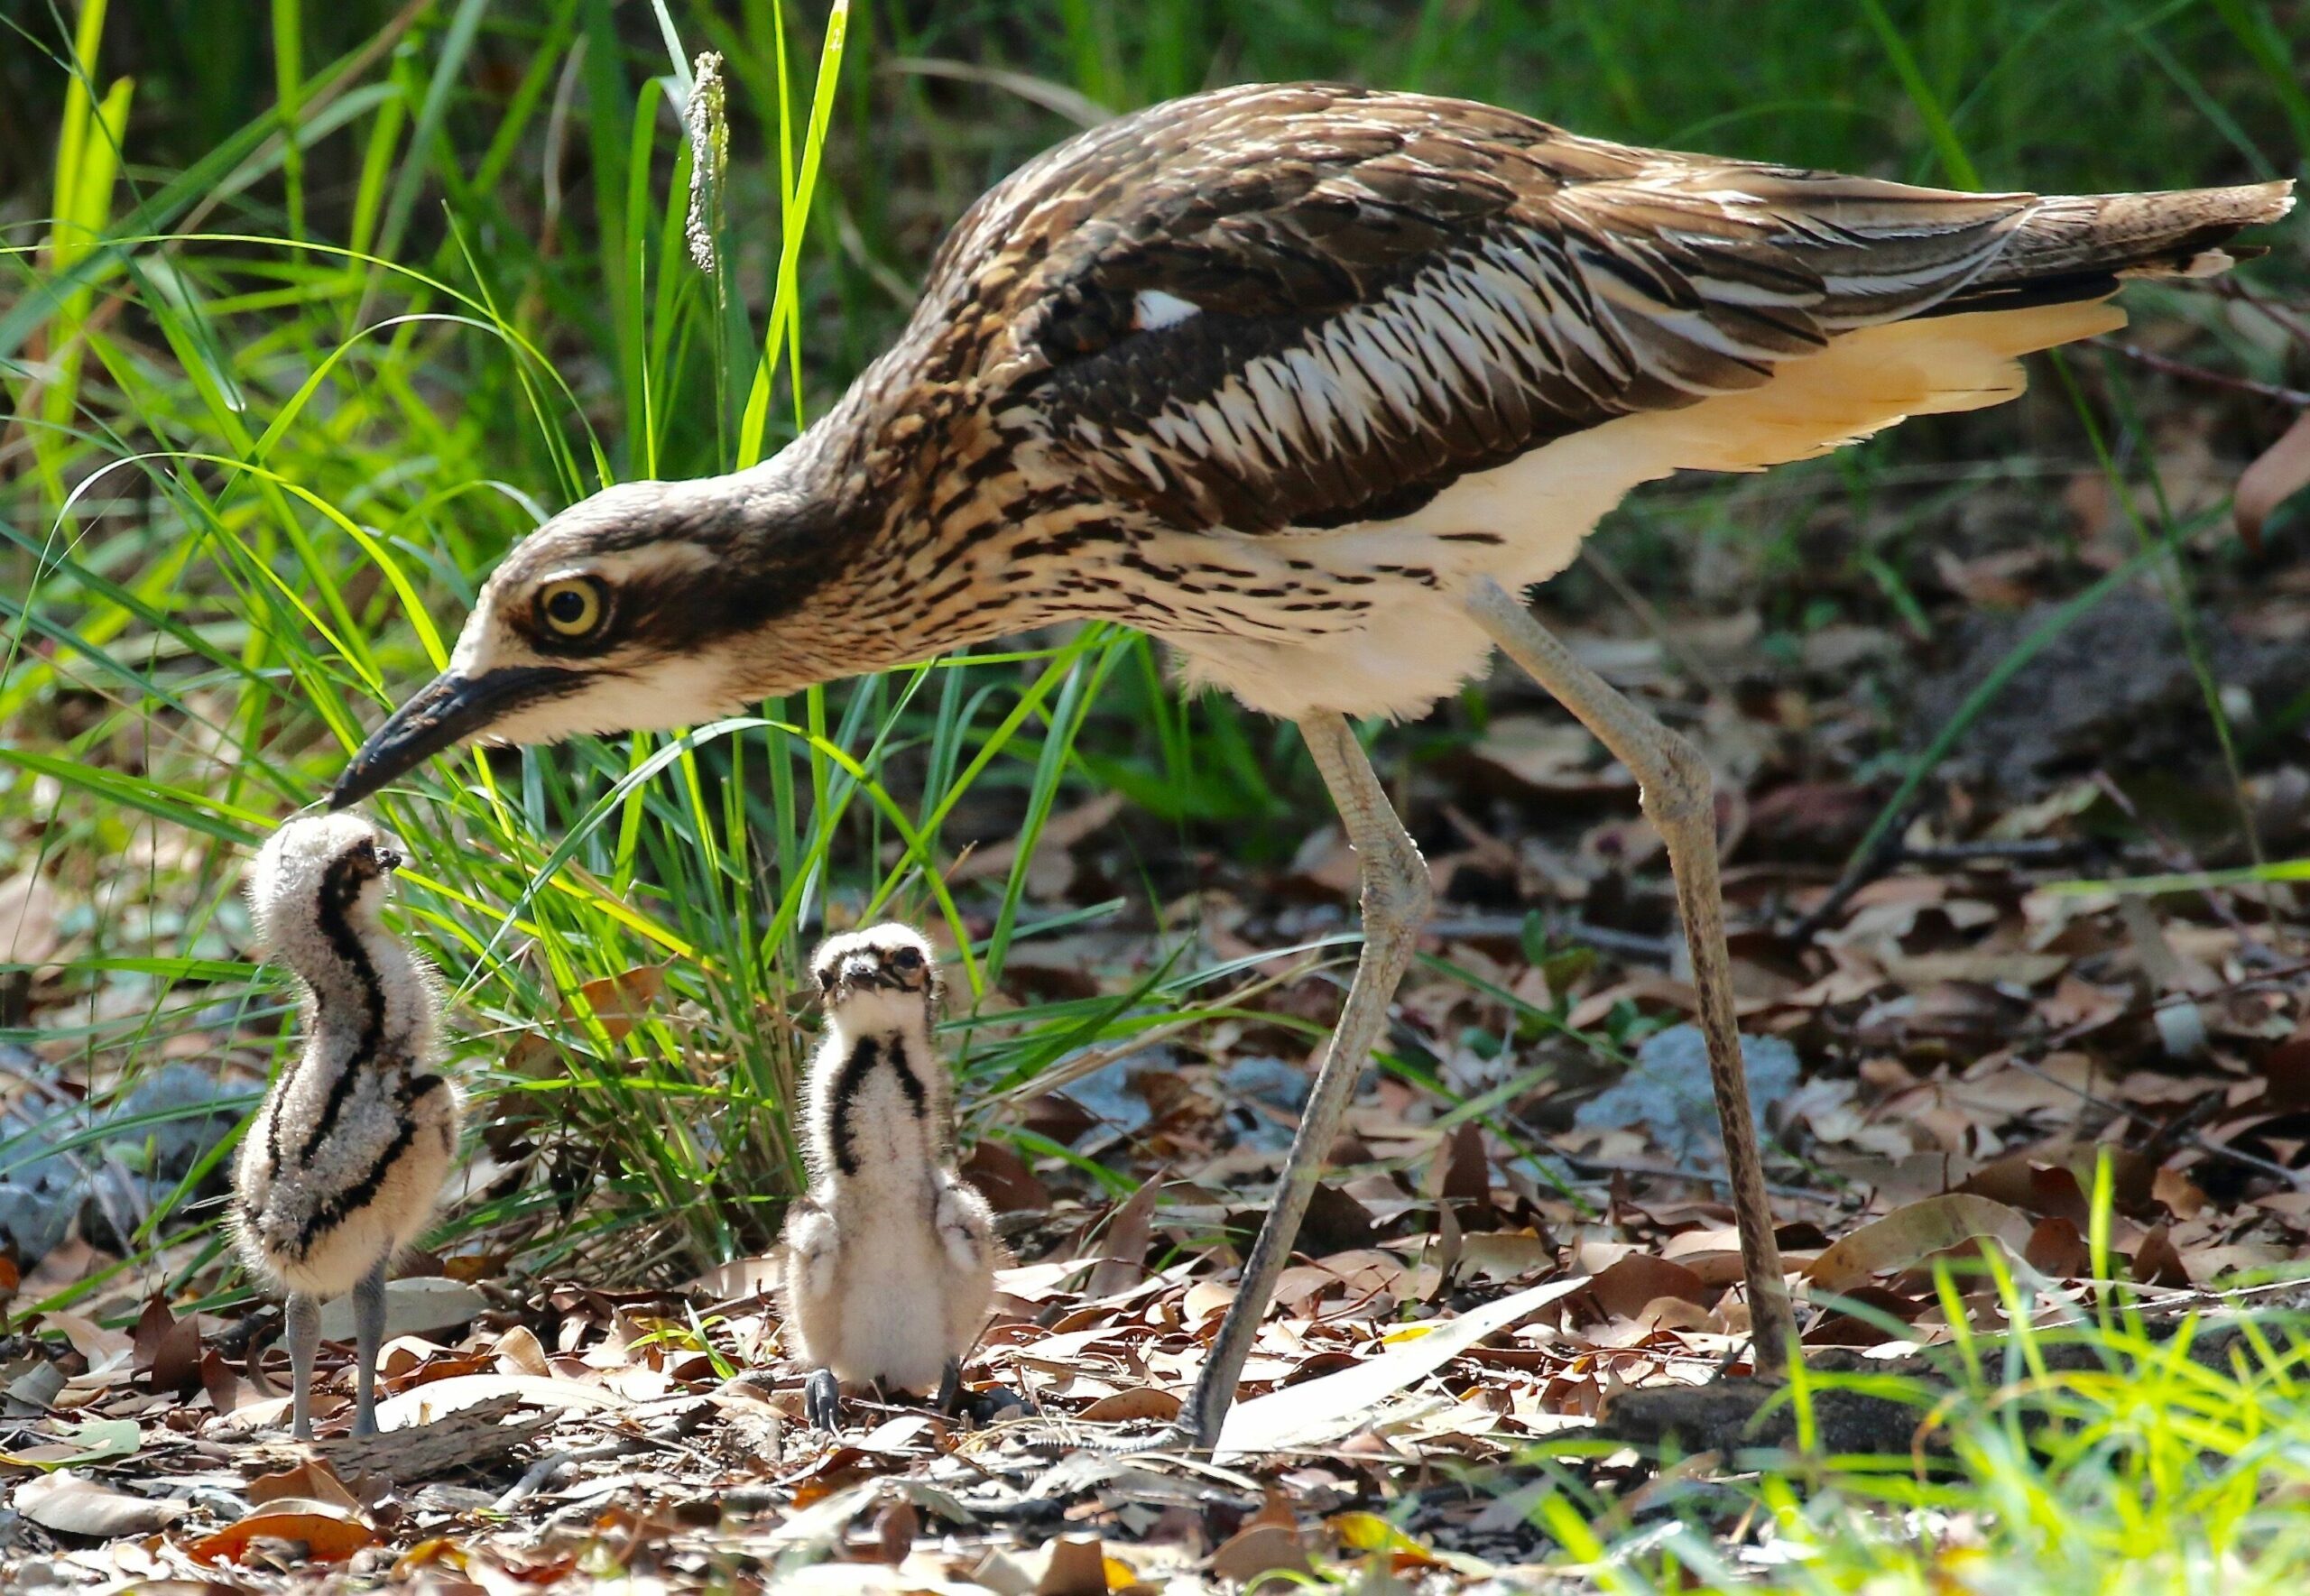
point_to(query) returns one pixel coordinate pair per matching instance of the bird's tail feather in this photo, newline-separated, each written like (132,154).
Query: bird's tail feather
(2077,246)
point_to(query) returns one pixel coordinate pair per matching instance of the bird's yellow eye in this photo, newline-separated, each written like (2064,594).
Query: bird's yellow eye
(571,607)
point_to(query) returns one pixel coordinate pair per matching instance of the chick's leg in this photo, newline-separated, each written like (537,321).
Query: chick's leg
(303,1317)
(369,1331)
(822,1400)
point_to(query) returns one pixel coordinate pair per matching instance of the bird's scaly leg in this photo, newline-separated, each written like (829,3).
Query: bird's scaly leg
(369,1340)
(1678,797)
(1395,901)
(303,1317)
(822,1400)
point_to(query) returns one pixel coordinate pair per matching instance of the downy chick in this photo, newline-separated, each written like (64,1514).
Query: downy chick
(343,1161)
(890,1259)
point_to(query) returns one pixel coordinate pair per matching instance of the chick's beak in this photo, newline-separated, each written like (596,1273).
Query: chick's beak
(389,860)
(448,710)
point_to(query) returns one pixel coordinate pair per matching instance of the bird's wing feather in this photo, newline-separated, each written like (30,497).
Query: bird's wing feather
(1308,307)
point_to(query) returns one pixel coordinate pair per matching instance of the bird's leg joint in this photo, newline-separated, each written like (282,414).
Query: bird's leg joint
(1398,891)
(1677,790)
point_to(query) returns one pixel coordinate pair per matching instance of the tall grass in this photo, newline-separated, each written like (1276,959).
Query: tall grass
(2147,1468)
(288,378)
(261,476)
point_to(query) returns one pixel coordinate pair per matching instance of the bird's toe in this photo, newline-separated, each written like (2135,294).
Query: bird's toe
(822,1401)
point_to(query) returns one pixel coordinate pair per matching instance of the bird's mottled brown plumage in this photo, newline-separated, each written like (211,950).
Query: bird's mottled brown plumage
(1278,374)
(1587,281)
(1373,296)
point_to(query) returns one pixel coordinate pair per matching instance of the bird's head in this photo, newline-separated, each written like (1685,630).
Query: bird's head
(315,879)
(876,979)
(650,604)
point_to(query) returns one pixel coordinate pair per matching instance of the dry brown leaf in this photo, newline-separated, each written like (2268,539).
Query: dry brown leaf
(1122,1247)
(1915,1231)
(2282,471)
(1061,832)
(28,919)
(2028,1182)
(1320,1409)
(426,1402)
(1005,1178)
(895,1528)
(1139,1405)
(91,1340)
(519,1351)
(1501,1255)
(618,1001)
(327,1534)
(2056,1247)
(1077,1567)
(1623,1290)
(73,1504)
(311,1480)
(1461,1171)
(1259,1550)
(2177,1192)
(2157,1261)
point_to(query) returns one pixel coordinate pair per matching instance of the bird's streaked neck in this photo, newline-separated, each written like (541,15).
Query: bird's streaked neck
(877,1097)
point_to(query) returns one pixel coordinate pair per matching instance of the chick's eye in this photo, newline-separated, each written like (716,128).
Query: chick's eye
(572,607)
(907,958)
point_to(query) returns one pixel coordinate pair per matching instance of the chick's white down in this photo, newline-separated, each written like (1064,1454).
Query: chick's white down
(889,1258)
(345,1158)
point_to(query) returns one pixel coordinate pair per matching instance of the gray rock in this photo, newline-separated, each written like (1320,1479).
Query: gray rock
(180,1113)
(1268,1080)
(1666,1094)
(40,1188)
(1107,1095)
(34,1222)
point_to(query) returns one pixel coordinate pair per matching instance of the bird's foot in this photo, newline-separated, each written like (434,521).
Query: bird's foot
(364,1422)
(822,1401)
(950,1388)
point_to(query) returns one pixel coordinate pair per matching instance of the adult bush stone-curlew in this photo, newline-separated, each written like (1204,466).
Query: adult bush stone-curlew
(1312,383)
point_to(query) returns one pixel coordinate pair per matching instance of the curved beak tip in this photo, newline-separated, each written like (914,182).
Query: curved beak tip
(447,711)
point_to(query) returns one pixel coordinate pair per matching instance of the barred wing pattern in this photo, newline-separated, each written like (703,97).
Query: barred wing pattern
(1310,306)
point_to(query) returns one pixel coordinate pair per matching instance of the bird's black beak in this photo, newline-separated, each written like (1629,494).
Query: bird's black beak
(448,710)
(389,860)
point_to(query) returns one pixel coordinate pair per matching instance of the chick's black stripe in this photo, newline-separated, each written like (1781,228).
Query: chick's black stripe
(350,1198)
(864,1057)
(855,1069)
(345,1200)
(339,888)
(908,1082)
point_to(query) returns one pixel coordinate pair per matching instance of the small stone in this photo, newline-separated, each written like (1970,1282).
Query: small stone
(1668,1094)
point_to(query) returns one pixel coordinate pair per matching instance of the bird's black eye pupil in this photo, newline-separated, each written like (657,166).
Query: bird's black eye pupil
(908,959)
(568,606)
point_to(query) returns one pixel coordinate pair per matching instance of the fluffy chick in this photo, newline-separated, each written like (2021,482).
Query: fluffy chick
(890,1259)
(344,1162)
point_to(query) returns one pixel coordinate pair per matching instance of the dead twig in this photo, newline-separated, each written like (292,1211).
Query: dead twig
(2168,366)
(2296,1179)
